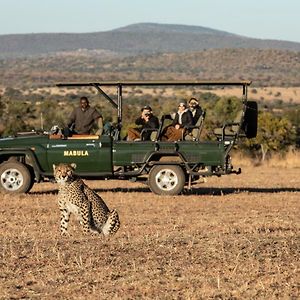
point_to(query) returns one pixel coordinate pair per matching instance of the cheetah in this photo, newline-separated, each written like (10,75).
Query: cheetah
(76,197)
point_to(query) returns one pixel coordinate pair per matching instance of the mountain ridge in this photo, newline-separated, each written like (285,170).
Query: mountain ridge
(135,39)
(178,28)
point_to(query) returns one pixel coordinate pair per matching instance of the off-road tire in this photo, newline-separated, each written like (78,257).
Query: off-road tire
(166,180)
(15,177)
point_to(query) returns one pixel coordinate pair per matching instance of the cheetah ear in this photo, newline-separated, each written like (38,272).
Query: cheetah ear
(54,167)
(73,165)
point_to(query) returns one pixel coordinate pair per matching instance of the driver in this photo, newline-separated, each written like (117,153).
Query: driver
(84,118)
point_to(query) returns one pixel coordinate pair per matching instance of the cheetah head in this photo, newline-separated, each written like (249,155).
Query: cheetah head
(64,173)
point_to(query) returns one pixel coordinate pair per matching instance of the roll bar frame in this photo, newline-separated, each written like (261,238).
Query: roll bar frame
(118,103)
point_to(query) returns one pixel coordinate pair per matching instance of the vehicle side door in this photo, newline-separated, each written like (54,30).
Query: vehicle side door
(91,154)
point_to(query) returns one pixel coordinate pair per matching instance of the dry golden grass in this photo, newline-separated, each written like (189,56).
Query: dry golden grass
(290,159)
(233,237)
(286,94)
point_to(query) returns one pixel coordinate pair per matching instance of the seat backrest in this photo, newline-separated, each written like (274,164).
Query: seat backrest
(236,121)
(153,132)
(163,123)
(231,129)
(199,124)
(196,131)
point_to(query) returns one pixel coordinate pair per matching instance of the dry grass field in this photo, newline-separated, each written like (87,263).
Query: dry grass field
(286,94)
(234,237)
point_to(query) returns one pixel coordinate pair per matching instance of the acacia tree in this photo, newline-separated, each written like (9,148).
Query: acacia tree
(274,134)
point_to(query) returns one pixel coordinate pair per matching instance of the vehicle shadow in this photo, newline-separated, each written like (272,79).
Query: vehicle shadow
(236,190)
(210,191)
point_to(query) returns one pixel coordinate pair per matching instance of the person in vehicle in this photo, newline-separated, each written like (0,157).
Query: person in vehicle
(182,119)
(146,121)
(84,119)
(195,109)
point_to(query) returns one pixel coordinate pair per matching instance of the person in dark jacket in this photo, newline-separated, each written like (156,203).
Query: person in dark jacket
(84,118)
(146,121)
(183,118)
(195,109)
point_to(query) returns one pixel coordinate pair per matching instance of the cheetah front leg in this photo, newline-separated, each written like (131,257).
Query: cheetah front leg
(64,221)
(86,218)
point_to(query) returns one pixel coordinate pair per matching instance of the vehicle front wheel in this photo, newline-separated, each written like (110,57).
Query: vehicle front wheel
(15,177)
(166,180)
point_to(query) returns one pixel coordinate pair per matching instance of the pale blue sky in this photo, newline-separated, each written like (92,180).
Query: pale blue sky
(268,19)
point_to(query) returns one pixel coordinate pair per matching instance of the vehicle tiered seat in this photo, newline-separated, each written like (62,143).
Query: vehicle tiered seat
(194,131)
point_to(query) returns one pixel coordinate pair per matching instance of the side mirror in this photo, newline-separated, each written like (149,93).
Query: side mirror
(249,125)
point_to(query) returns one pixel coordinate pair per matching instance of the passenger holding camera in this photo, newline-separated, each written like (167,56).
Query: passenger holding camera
(146,121)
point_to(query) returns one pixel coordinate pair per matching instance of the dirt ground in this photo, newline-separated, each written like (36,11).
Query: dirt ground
(234,237)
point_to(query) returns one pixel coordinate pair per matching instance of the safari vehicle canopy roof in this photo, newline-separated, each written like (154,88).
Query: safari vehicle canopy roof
(156,82)
(119,84)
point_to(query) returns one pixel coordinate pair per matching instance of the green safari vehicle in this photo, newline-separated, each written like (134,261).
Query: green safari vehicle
(166,167)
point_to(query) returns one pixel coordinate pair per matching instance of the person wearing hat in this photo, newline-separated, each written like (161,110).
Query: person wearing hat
(146,121)
(195,109)
(183,118)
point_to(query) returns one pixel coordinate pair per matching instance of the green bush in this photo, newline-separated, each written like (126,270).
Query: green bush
(275,134)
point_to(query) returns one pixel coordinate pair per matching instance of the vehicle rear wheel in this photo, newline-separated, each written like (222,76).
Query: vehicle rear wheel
(166,180)
(15,177)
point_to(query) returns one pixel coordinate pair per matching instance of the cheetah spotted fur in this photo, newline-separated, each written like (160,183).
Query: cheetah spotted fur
(75,197)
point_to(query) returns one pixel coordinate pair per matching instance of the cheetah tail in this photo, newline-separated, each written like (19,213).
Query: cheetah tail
(112,223)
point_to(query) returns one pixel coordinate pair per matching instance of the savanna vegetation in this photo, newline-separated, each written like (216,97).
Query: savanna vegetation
(279,122)
(267,67)
(28,99)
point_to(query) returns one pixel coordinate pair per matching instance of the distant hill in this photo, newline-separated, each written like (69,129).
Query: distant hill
(136,39)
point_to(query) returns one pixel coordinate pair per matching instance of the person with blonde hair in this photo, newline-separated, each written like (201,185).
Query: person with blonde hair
(182,119)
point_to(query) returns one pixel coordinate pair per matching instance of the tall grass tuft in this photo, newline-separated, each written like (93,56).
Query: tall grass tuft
(290,159)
